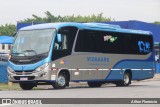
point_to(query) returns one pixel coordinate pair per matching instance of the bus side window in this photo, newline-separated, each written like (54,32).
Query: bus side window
(56,44)
(61,45)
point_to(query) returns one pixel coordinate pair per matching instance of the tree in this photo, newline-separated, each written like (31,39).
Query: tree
(157,22)
(7,29)
(72,18)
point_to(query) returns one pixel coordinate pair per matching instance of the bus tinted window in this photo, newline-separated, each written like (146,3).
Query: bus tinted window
(109,42)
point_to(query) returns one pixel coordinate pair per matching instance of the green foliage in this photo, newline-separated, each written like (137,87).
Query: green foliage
(7,29)
(51,18)
(157,22)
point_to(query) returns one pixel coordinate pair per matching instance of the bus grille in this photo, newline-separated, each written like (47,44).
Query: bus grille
(22,60)
(23,73)
(29,77)
(25,62)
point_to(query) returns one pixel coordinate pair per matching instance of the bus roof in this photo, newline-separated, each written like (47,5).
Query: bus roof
(93,26)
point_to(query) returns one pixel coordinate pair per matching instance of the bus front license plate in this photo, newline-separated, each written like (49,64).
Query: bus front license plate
(23,78)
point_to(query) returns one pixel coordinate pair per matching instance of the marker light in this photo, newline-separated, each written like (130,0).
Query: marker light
(62,62)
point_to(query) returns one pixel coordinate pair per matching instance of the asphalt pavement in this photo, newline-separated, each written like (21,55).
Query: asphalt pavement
(140,89)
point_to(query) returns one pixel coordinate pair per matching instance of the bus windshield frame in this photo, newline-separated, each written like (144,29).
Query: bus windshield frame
(32,42)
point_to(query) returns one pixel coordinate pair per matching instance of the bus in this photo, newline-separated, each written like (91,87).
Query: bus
(96,53)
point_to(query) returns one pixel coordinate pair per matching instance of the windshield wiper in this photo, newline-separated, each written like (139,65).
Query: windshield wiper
(20,53)
(31,51)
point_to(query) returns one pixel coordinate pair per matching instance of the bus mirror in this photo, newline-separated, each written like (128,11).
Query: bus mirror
(59,37)
(14,34)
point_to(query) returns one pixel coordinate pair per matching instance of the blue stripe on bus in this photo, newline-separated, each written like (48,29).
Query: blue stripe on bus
(96,80)
(132,64)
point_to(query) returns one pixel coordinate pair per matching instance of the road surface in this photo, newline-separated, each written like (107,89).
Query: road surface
(141,89)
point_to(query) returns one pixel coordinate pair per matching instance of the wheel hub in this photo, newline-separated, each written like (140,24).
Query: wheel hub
(61,81)
(126,79)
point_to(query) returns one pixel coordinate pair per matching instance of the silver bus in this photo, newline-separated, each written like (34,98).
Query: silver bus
(59,53)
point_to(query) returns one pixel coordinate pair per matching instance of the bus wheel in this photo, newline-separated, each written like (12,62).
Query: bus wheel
(61,81)
(126,80)
(26,86)
(94,84)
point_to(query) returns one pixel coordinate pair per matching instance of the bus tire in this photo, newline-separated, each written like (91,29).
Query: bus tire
(61,82)
(126,80)
(26,86)
(94,84)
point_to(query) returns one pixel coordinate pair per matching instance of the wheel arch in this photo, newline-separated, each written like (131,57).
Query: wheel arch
(66,72)
(129,71)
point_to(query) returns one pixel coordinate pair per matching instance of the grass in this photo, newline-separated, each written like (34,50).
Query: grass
(7,87)
(14,86)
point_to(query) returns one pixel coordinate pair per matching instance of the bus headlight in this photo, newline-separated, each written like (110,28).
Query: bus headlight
(9,69)
(42,67)
(9,57)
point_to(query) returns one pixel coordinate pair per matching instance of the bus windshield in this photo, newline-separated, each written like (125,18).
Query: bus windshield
(32,42)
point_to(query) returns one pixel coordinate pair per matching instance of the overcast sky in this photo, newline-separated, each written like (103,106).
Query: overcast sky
(12,11)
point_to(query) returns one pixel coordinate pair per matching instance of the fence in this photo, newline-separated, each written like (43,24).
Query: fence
(158,68)
(3,72)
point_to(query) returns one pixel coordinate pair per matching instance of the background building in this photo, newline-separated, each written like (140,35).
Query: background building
(5,45)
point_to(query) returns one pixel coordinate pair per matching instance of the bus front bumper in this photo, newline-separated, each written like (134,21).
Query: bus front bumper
(44,75)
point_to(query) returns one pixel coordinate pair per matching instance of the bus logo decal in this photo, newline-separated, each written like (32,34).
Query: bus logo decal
(144,46)
(110,38)
(97,59)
